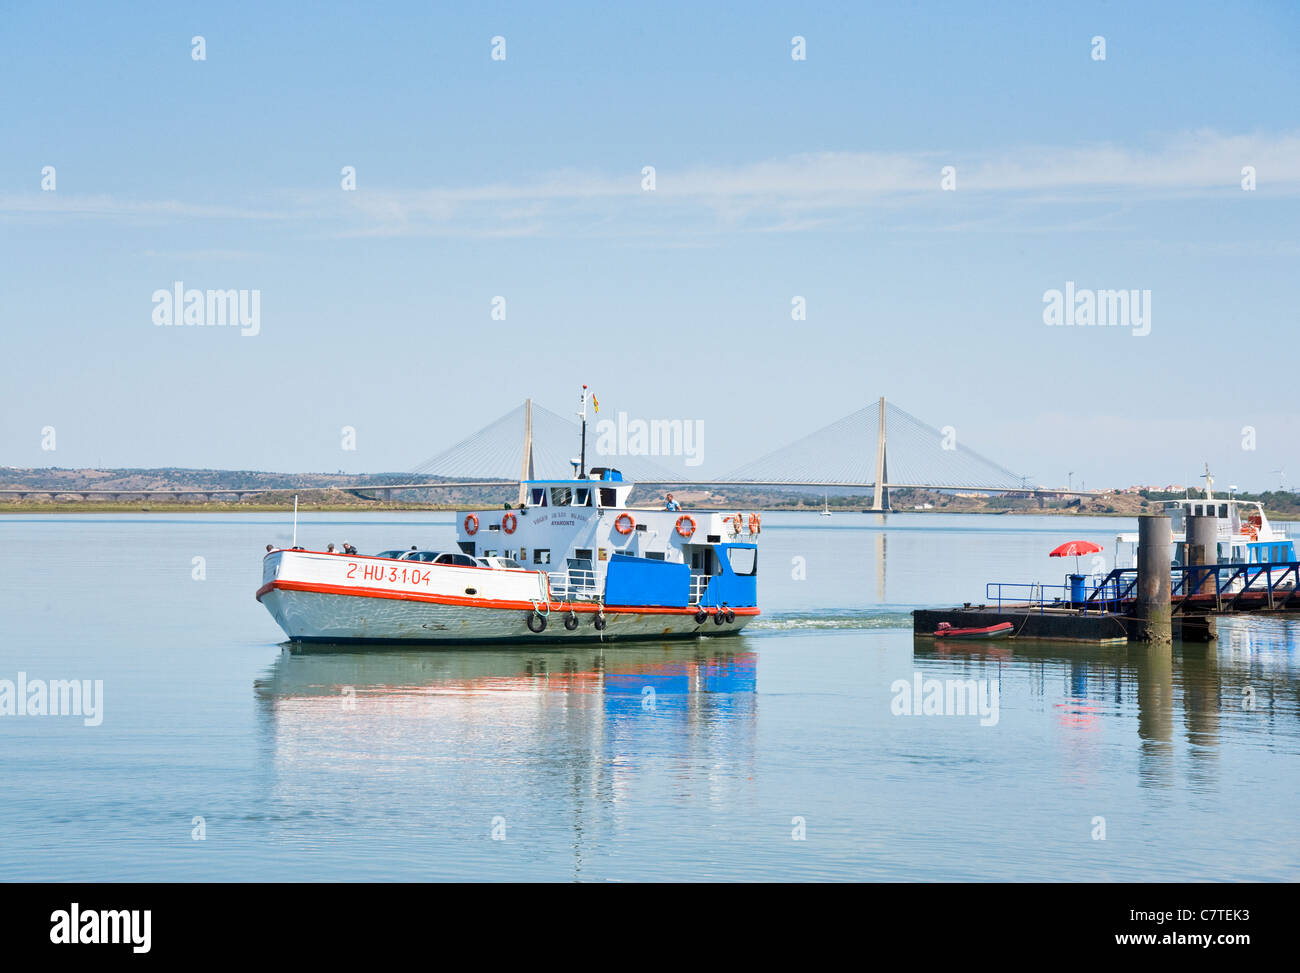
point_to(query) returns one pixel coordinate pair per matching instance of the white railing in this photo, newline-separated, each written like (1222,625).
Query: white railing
(580,584)
(699,584)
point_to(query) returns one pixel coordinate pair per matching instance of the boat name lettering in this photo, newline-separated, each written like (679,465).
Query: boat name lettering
(393,574)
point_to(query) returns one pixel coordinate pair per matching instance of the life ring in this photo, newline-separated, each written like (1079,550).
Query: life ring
(755,523)
(471,525)
(686,525)
(738,523)
(508,523)
(624,523)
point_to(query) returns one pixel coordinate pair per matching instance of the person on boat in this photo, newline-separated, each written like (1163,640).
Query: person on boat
(329,548)
(672,504)
(348,548)
(269,548)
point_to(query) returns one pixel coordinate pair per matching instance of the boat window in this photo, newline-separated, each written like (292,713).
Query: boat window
(583,554)
(539,496)
(467,547)
(561,496)
(654,555)
(541,555)
(608,497)
(582,498)
(1223,510)
(744,560)
(489,553)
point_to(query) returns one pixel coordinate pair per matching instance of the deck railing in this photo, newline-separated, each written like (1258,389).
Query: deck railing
(575,585)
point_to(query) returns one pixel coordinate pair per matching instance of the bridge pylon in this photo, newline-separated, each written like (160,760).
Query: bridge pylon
(526,468)
(880,500)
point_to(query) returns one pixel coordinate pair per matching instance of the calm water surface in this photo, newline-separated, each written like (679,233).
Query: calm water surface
(400,764)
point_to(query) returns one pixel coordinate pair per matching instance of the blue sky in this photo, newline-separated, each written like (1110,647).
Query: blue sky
(774,178)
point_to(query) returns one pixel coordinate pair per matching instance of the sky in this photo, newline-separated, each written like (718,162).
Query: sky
(775,178)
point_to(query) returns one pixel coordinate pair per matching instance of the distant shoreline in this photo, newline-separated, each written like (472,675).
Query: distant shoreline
(129,507)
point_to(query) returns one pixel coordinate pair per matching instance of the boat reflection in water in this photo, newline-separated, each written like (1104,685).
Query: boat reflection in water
(1247,679)
(574,731)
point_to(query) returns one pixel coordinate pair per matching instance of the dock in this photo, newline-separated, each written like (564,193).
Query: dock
(1154,601)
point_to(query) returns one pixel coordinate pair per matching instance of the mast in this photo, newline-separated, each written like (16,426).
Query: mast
(582,454)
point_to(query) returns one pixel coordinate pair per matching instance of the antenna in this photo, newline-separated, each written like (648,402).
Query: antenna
(295,520)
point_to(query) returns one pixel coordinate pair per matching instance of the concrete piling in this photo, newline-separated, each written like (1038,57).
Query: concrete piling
(1154,611)
(1202,548)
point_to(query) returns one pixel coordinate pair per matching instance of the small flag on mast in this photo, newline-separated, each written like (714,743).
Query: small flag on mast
(595,402)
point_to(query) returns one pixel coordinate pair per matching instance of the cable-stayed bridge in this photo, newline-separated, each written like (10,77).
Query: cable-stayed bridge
(877,448)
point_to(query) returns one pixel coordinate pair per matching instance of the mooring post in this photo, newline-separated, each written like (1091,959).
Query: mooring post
(1202,548)
(1153,587)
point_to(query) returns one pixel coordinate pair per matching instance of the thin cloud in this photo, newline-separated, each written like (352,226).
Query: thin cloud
(800,193)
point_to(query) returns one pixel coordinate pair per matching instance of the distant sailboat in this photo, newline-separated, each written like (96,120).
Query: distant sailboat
(826,508)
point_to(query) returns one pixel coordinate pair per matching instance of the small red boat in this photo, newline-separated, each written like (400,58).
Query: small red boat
(998,631)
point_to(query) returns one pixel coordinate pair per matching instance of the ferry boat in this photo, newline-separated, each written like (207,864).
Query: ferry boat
(1245,535)
(575,561)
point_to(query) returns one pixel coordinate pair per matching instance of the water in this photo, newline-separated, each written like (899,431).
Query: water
(400,764)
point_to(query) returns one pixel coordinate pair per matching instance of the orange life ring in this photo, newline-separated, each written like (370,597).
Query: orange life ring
(471,524)
(619,523)
(686,525)
(508,523)
(737,522)
(755,522)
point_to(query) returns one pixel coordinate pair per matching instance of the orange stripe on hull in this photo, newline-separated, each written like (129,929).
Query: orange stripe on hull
(438,599)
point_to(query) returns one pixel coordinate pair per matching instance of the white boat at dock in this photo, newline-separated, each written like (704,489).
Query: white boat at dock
(1245,534)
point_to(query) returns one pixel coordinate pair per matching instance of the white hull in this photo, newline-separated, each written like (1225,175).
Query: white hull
(321,597)
(317,617)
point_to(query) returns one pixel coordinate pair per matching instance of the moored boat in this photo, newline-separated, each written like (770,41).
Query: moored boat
(1244,533)
(999,631)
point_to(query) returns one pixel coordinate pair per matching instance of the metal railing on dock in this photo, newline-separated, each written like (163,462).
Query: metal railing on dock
(1227,587)
(1102,597)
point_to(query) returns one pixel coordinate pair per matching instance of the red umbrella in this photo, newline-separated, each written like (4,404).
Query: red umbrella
(1074,549)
